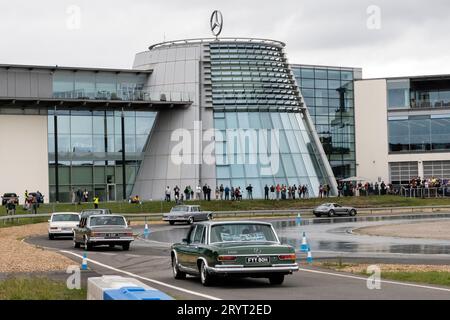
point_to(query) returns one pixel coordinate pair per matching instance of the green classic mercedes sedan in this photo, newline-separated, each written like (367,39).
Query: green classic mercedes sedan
(233,249)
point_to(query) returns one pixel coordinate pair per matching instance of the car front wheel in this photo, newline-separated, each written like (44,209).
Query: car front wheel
(210,217)
(177,274)
(126,247)
(191,220)
(276,279)
(51,237)
(318,215)
(352,213)
(171,223)
(87,245)
(205,277)
(331,213)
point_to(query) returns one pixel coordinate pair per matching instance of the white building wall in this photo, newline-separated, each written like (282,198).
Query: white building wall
(24,155)
(176,72)
(371,132)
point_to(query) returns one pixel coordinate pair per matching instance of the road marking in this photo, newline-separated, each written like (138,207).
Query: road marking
(144,278)
(383,281)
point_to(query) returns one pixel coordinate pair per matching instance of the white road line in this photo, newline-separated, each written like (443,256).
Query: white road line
(144,278)
(382,281)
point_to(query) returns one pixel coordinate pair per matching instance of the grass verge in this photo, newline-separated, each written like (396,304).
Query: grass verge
(38,289)
(441,278)
(162,206)
(424,274)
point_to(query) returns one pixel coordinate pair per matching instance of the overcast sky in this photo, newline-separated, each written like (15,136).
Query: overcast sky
(410,38)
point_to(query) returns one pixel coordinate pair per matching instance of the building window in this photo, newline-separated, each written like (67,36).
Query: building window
(398,94)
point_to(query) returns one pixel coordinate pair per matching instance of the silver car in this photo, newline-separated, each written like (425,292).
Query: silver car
(332,209)
(187,213)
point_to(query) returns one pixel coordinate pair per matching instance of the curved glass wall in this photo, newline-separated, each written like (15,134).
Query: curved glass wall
(251,76)
(260,148)
(261,134)
(90,151)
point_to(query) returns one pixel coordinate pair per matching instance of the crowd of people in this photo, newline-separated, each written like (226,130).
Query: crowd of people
(432,182)
(272,192)
(349,189)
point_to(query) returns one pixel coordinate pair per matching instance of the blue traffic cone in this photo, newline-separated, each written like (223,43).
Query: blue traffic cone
(146,231)
(84,265)
(309,258)
(304,246)
(298,220)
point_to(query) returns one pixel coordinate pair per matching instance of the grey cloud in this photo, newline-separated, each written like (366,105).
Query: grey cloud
(413,34)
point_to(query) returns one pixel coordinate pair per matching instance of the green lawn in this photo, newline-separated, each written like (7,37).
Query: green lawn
(441,278)
(38,289)
(162,206)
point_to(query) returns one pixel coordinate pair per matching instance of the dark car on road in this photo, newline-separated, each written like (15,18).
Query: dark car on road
(233,249)
(102,229)
(333,209)
(8,196)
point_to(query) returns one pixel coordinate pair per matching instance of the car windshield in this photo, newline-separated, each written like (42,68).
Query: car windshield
(92,212)
(325,205)
(107,220)
(179,209)
(242,232)
(65,218)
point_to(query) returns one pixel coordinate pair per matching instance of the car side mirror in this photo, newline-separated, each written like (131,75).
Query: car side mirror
(49,220)
(129,222)
(186,241)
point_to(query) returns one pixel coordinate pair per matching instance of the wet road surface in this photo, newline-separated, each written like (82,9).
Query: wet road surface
(149,260)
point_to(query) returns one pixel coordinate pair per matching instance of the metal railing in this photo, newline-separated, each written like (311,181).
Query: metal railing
(432,192)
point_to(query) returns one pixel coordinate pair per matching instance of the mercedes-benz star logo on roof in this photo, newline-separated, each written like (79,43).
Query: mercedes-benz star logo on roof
(216,23)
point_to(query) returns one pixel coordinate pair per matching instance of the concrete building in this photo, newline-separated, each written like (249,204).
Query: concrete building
(403,128)
(114,132)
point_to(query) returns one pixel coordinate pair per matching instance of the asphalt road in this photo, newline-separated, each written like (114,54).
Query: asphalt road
(148,260)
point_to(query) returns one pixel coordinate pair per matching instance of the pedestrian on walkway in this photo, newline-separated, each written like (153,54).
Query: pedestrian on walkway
(96,201)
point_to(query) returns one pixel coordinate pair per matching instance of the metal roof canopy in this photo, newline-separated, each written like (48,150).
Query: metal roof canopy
(74,69)
(86,104)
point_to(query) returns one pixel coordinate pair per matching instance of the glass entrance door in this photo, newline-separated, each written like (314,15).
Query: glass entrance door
(111,192)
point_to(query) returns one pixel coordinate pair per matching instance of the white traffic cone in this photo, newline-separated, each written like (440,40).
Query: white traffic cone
(146,231)
(298,220)
(304,245)
(84,265)
(309,258)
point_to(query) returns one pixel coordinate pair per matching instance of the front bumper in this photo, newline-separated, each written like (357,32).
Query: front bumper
(175,218)
(237,269)
(60,232)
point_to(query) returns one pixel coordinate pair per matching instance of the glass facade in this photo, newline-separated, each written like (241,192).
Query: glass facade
(241,158)
(258,115)
(99,85)
(329,97)
(422,133)
(251,76)
(418,93)
(90,151)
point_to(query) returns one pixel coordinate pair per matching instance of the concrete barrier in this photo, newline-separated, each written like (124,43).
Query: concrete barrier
(120,288)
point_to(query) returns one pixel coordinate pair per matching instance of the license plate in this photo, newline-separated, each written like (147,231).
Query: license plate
(258,259)
(111,236)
